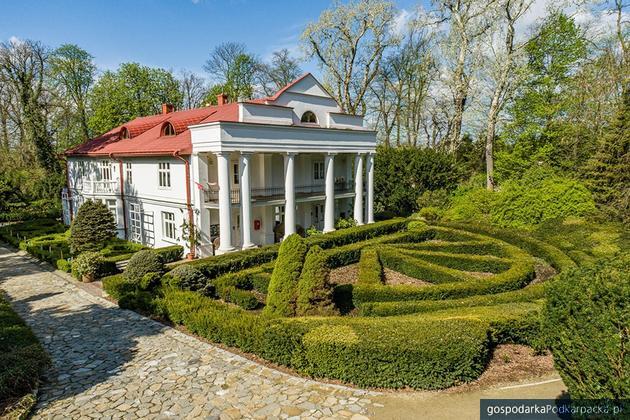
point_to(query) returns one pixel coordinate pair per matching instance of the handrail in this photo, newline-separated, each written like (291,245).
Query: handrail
(275,193)
(100,187)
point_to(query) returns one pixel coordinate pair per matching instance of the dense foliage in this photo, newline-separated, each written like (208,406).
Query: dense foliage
(586,327)
(141,263)
(187,277)
(403,174)
(607,171)
(538,196)
(87,265)
(22,358)
(93,226)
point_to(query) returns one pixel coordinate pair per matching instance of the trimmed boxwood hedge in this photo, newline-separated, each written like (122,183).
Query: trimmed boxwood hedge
(380,352)
(420,269)
(286,273)
(474,263)
(585,323)
(396,353)
(171,253)
(495,248)
(117,286)
(370,267)
(552,255)
(518,276)
(22,358)
(441,335)
(527,294)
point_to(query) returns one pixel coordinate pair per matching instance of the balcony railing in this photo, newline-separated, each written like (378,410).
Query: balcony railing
(100,187)
(277,193)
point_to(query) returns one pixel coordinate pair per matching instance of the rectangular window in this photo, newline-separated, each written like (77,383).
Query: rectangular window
(164,173)
(105,170)
(168,225)
(129,173)
(111,205)
(318,171)
(235,173)
(136,222)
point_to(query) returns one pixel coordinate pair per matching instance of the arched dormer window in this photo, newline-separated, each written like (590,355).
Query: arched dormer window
(124,133)
(309,117)
(168,129)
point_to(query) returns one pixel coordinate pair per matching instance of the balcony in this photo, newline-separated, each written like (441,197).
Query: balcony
(100,187)
(277,193)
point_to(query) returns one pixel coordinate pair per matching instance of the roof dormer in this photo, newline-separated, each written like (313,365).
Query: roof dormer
(168,130)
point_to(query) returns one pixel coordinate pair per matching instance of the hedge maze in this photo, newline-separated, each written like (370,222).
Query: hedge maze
(477,287)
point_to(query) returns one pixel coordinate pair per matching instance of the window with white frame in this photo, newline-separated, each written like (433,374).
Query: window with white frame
(235,174)
(128,173)
(111,205)
(105,170)
(318,171)
(136,222)
(164,174)
(168,225)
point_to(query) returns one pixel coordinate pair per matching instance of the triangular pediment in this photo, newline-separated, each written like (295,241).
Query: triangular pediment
(308,85)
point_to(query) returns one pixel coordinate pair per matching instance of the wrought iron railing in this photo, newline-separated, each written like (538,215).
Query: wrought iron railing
(277,193)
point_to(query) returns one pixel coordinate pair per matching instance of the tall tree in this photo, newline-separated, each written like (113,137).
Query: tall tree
(349,41)
(539,128)
(23,72)
(233,68)
(240,78)
(193,90)
(281,71)
(608,171)
(72,70)
(502,68)
(222,59)
(468,20)
(401,87)
(131,91)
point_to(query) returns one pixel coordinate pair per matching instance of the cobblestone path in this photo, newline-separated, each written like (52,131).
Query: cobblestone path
(113,363)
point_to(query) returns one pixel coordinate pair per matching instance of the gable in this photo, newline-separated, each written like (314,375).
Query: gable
(308,86)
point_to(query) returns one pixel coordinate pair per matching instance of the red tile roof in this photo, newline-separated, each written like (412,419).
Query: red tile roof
(146,133)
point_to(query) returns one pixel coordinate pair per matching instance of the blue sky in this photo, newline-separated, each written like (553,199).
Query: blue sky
(174,34)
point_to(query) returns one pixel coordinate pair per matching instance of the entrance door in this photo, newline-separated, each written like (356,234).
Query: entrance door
(318,216)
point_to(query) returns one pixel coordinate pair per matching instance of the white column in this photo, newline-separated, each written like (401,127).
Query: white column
(199,167)
(370,188)
(358,188)
(289,194)
(329,208)
(246,200)
(225,203)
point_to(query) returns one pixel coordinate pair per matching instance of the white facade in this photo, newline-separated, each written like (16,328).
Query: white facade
(251,180)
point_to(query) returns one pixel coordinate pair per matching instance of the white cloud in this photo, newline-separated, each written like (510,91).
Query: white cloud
(15,40)
(401,21)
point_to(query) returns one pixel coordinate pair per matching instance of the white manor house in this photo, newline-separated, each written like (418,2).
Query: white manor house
(243,174)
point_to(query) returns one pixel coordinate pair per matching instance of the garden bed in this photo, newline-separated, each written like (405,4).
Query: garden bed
(437,332)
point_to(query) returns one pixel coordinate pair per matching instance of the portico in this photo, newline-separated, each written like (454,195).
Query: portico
(249,194)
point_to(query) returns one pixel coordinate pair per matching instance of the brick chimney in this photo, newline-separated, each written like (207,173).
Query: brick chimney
(167,108)
(222,99)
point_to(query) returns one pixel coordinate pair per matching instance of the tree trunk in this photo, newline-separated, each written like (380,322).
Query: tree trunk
(461,92)
(490,146)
